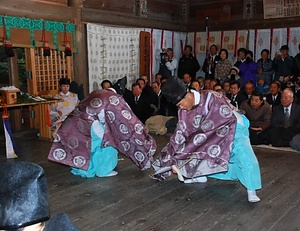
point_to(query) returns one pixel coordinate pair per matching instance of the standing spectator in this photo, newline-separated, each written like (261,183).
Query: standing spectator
(285,122)
(210,62)
(259,114)
(297,63)
(274,97)
(248,69)
(266,66)
(283,63)
(168,63)
(241,57)
(188,63)
(223,66)
(236,96)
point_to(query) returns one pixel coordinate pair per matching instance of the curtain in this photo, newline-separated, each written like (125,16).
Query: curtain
(112,53)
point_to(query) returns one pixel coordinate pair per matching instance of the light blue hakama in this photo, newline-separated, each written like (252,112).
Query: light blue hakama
(243,164)
(103,160)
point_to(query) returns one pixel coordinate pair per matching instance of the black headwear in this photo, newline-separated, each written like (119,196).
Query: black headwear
(173,89)
(23,195)
(120,85)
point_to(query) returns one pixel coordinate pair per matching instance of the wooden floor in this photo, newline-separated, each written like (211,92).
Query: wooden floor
(133,201)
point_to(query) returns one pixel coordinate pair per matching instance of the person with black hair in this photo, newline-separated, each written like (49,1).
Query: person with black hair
(265,66)
(188,63)
(236,96)
(241,56)
(105,84)
(211,140)
(60,110)
(274,97)
(210,62)
(223,66)
(248,69)
(259,114)
(283,63)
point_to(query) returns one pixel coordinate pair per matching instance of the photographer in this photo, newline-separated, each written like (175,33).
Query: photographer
(168,63)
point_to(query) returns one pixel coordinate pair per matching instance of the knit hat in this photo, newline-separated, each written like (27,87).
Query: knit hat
(23,195)
(236,69)
(173,89)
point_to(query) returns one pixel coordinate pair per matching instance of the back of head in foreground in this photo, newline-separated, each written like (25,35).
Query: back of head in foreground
(24,201)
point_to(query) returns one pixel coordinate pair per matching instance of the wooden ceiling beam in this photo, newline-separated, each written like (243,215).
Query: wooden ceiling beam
(37,10)
(122,19)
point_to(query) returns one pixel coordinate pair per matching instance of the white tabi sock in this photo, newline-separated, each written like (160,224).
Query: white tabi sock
(176,170)
(252,197)
(199,179)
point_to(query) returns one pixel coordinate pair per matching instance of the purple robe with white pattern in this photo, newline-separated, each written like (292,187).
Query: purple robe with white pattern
(123,131)
(203,139)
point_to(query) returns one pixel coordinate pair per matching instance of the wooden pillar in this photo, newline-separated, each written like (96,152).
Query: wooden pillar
(80,59)
(15,114)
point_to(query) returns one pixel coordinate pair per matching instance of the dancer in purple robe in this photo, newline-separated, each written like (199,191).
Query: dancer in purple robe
(211,139)
(122,130)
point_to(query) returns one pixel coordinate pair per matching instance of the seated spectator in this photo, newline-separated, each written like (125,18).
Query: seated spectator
(201,82)
(218,88)
(234,75)
(139,103)
(248,69)
(157,91)
(262,87)
(213,82)
(259,114)
(105,84)
(285,123)
(158,77)
(207,84)
(146,89)
(248,89)
(297,91)
(24,200)
(60,110)
(274,97)
(236,96)
(187,79)
(195,85)
(287,82)
(226,87)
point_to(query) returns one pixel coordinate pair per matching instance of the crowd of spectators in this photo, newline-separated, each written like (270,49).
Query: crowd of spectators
(266,91)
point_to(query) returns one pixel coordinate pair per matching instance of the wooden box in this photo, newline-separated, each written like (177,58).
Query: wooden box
(9,96)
